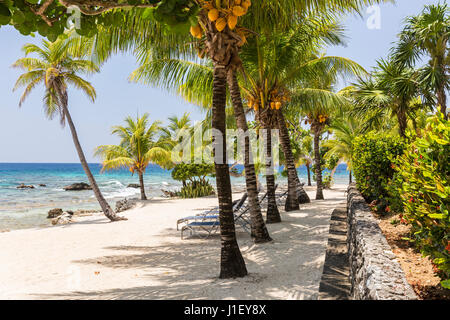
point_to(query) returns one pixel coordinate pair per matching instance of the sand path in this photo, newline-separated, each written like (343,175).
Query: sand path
(144,257)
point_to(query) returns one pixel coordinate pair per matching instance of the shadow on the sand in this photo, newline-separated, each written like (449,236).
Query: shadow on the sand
(189,269)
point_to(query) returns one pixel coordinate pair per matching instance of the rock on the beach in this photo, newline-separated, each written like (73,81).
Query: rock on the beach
(42,185)
(65,218)
(22,186)
(53,213)
(168,194)
(133,185)
(125,204)
(77,187)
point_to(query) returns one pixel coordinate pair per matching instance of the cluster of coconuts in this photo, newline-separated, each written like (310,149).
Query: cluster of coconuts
(322,119)
(275,104)
(223,13)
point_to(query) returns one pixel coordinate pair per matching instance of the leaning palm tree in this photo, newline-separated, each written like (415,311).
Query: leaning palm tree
(138,147)
(57,69)
(427,34)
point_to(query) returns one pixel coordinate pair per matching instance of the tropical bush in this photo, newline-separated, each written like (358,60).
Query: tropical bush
(424,170)
(372,159)
(196,190)
(194,179)
(327,180)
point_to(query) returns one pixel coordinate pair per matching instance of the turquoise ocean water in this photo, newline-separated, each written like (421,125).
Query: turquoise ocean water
(26,208)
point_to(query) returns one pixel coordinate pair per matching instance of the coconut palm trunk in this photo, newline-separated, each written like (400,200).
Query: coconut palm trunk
(291,200)
(318,166)
(232,263)
(107,210)
(402,123)
(308,171)
(296,193)
(273,215)
(442,101)
(302,196)
(141,184)
(259,231)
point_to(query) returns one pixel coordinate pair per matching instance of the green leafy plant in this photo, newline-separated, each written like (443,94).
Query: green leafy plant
(372,158)
(424,170)
(196,190)
(194,179)
(327,180)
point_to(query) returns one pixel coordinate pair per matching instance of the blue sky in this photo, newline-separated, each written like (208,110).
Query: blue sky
(27,136)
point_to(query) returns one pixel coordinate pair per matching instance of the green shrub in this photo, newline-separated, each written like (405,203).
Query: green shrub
(194,180)
(192,171)
(372,158)
(327,181)
(196,189)
(424,172)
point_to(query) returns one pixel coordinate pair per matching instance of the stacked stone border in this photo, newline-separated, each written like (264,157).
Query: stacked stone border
(375,274)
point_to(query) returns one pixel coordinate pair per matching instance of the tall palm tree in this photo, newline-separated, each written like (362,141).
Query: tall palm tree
(279,70)
(57,69)
(427,34)
(392,90)
(317,101)
(137,148)
(222,42)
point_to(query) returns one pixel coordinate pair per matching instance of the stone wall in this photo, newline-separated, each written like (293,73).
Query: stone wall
(375,273)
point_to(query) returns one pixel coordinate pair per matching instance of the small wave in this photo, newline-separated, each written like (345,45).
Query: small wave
(127,192)
(114,182)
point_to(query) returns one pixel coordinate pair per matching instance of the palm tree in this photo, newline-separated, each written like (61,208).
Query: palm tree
(222,45)
(427,34)
(345,129)
(317,101)
(318,118)
(57,69)
(267,81)
(193,80)
(392,90)
(138,147)
(302,140)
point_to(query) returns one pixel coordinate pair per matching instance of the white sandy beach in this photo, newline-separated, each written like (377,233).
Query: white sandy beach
(144,257)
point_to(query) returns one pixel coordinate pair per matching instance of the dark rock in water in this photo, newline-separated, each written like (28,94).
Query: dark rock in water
(22,186)
(133,185)
(65,218)
(53,213)
(85,212)
(69,212)
(125,204)
(78,187)
(42,185)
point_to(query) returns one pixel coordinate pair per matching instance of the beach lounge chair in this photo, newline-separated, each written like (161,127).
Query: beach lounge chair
(281,198)
(264,199)
(242,217)
(212,213)
(208,222)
